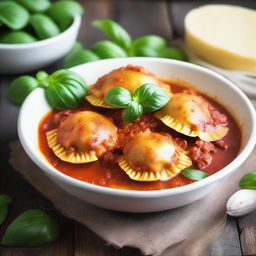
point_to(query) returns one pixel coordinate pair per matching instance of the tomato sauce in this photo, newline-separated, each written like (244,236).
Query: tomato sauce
(105,172)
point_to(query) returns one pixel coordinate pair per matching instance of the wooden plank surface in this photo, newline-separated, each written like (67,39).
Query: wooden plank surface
(143,17)
(227,243)
(139,17)
(247,228)
(99,9)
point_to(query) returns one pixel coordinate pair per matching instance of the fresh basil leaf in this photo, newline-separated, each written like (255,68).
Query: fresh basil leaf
(79,57)
(13,15)
(193,174)
(32,228)
(63,12)
(44,26)
(64,89)
(17,37)
(173,53)
(146,52)
(151,97)
(3,213)
(76,47)
(20,88)
(132,112)
(142,45)
(114,31)
(248,181)
(118,96)
(4,202)
(41,76)
(35,5)
(107,49)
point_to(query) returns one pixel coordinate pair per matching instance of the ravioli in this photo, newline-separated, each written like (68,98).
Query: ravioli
(129,77)
(82,137)
(150,156)
(193,116)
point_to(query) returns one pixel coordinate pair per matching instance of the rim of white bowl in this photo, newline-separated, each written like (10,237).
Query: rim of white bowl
(76,23)
(241,157)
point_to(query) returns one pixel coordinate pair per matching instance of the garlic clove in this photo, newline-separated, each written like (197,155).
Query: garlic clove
(242,202)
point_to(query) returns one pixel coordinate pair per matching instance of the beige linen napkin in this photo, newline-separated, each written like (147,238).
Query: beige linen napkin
(182,231)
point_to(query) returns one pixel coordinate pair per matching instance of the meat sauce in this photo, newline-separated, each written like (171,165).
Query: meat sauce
(207,156)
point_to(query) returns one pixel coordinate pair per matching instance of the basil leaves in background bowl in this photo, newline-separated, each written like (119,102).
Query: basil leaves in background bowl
(36,20)
(31,228)
(120,44)
(34,34)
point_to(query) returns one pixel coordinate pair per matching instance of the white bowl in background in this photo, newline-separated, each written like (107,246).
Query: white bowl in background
(20,58)
(207,81)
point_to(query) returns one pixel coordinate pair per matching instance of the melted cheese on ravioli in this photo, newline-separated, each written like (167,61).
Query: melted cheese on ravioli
(129,77)
(190,110)
(193,116)
(87,131)
(151,150)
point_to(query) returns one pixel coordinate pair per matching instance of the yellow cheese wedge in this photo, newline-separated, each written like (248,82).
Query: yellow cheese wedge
(223,35)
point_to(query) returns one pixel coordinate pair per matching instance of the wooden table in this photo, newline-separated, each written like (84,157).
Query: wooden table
(141,17)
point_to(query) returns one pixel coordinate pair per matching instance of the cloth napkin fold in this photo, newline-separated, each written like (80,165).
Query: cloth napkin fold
(183,231)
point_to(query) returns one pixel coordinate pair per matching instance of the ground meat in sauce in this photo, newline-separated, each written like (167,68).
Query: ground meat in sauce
(61,116)
(129,130)
(220,144)
(217,117)
(181,142)
(201,152)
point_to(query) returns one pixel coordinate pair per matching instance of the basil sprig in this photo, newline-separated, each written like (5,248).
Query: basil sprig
(120,44)
(32,228)
(248,181)
(4,202)
(64,89)
(79,57)
(21,87)
(132,112)
(147,46)
(151,97)
(194,174)
(106,49)
(173,53)
(146,98)
(118,97)
(115,32)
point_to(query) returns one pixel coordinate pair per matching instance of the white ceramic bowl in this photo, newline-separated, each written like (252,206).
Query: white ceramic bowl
(221,89)
(20,58)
